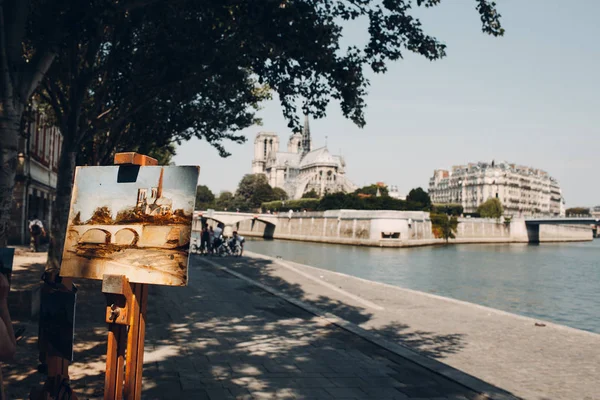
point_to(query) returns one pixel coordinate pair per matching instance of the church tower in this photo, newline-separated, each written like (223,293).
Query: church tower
(306,141)
(266,145)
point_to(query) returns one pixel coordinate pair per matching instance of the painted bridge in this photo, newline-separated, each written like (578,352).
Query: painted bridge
(129,235)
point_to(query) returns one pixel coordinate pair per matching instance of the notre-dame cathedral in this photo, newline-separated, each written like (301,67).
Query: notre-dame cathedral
(301,168)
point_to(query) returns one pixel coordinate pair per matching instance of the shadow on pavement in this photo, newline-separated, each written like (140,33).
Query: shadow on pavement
(223,338)
(427,343)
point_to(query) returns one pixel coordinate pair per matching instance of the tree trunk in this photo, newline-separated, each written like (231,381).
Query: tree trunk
(10,122)
(60,214)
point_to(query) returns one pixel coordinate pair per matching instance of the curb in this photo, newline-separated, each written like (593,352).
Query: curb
(489,391)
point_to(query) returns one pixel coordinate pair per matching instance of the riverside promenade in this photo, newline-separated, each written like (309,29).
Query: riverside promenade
(512,352)
(224,337)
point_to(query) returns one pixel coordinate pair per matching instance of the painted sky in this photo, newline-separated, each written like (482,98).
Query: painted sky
(530,97)
(98,187)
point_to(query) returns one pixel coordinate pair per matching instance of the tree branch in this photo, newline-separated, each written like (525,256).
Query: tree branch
(40,65)
(5,76)
(18,27)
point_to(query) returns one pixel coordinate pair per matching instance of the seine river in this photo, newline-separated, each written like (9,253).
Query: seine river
(553,282)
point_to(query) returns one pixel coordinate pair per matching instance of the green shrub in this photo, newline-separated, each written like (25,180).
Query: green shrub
(443,227)
(300,204)
(448,209)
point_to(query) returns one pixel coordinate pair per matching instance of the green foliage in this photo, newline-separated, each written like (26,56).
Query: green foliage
(419,196)
(448,209)
(279,193)
(311,194)
(372,190)
(296,205)
(224,202)
(491,208)
(253,190)
(352,201)
(444,227)
(578,211)
(204,197)
(121,74)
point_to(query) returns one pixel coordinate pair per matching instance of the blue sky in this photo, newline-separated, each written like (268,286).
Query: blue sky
(530,97)
(98,187)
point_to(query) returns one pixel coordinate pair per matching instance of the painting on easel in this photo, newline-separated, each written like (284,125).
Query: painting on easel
(131,220)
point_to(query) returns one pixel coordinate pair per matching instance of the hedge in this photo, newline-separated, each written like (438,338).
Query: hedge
(448,209)
(296,205)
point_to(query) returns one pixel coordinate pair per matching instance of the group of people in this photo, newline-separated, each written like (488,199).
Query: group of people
(212,238)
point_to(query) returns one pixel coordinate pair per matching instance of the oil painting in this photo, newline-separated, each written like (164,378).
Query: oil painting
(133,221)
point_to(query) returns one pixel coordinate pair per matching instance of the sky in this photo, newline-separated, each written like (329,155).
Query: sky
(530,97)
(98,187)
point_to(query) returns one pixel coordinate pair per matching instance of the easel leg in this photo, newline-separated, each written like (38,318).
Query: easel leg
(132,342)
(141,338)
(135,343)
(115,357)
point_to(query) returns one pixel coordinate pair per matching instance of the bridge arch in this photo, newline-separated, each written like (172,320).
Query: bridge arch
(127,237)
(96,235)
(231,223)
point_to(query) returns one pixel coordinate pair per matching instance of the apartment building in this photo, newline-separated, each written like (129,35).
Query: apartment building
(35,181)
(523,191)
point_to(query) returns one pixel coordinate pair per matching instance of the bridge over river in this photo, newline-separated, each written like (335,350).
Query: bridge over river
(394,228)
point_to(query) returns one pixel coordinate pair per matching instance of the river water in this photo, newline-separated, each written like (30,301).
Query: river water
(553,282)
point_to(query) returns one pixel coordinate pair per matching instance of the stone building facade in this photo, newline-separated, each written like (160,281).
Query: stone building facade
(35,181)
(301,168)
(523,191)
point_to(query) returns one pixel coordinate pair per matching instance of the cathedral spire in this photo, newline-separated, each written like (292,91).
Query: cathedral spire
(306,142)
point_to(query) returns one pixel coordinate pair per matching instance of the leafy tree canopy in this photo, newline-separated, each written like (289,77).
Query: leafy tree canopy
(253,190)
(200,67)
(372,190)
(279,194)
(204,197)
(311,194)
(224,201)
(443,226)
(491,208)
(420,196)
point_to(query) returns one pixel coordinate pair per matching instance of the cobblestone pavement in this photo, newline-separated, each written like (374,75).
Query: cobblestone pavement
(223,338)
(538,363)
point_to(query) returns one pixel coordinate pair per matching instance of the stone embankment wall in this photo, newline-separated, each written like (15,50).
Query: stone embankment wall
(401,229)
(367,228)
(565,233)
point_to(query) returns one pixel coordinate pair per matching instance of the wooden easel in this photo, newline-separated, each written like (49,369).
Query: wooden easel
(126,307)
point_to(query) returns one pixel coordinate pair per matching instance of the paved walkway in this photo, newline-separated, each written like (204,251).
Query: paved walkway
(542,363)
(224,338)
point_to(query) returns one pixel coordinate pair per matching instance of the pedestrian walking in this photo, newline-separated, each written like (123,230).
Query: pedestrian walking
(211,240)
(204,240)
(36,229)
